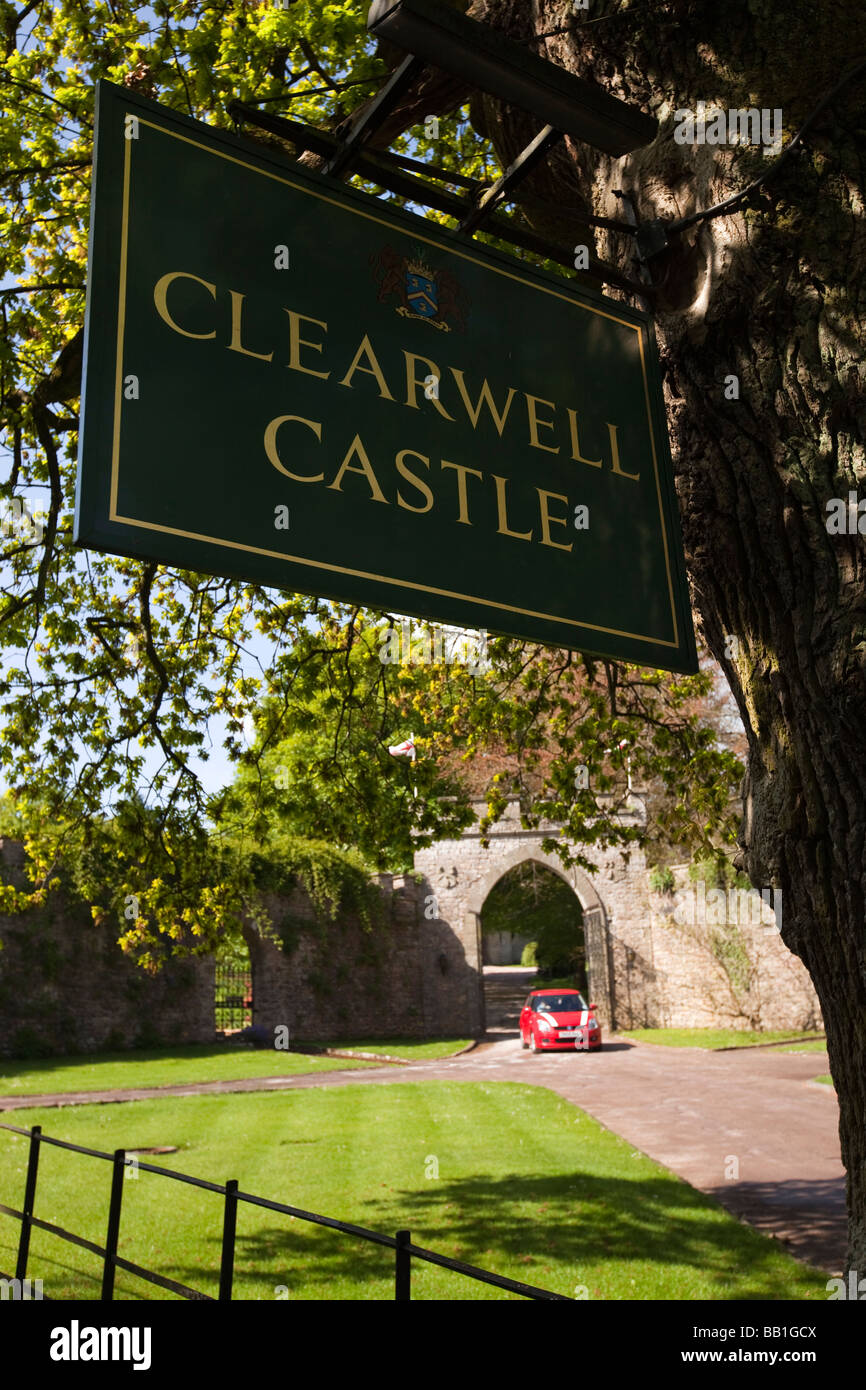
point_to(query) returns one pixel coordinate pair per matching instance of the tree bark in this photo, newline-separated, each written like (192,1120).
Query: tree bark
(774,295)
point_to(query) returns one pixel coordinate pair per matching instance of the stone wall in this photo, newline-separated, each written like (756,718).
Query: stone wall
(645,969)
(407,976)
(66,986)
(723,964)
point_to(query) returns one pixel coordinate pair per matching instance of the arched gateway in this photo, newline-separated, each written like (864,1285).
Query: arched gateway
(421,974)
(459,874)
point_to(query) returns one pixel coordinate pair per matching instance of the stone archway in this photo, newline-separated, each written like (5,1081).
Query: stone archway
(458,874)
(645,969)
(592,907)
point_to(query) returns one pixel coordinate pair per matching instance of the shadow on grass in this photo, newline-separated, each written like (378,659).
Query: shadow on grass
(564,1224)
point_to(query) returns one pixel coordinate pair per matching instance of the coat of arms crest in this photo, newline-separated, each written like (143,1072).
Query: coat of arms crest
(434,296)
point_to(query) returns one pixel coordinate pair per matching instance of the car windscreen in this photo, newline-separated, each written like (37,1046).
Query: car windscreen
(558,1003)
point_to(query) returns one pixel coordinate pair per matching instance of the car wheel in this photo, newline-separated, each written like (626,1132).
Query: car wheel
(533,1044)
(523,1043)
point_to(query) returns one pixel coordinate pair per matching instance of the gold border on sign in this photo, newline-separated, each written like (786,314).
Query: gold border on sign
(320,564)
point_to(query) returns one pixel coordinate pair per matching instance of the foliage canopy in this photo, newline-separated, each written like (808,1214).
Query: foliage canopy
(119,674)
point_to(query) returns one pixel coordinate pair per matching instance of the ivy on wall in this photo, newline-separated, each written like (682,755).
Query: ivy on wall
(224,882)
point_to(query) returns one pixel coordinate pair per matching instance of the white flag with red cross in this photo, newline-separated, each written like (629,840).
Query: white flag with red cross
(406,749)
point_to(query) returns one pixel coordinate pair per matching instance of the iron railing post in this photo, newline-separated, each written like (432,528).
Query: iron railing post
(401,1243)
(403,1269)
(108,1268)
(29,1202)
(230,1222)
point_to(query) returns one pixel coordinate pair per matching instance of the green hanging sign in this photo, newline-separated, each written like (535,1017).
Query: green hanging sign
(291,382)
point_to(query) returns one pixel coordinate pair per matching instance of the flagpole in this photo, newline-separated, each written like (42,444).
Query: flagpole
(406,749)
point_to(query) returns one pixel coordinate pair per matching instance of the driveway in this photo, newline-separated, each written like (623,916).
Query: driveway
(748,1127)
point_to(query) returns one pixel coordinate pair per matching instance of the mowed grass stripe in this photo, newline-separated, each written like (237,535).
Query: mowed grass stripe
(528,1186)
(720,1037)
(180,1066)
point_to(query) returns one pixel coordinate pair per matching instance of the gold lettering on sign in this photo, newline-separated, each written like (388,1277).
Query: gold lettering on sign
(575,443)
(365,469)
(502,528)
(271,447)
(614,453)
(546,518)
(534,423)
(410,477)
(366,350)
(296,342)
(484,398)
(160,295)
(236,345)
(462,473)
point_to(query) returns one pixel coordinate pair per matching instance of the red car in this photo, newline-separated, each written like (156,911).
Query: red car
(559,1019)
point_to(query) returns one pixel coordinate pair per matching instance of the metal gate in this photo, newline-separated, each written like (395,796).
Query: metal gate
(233,998)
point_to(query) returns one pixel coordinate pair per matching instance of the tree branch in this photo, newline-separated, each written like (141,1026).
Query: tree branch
(49,285)
(45,168)
(37,91)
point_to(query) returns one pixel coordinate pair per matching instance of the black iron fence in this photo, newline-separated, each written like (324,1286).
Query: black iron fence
(400,1243)
(233,997)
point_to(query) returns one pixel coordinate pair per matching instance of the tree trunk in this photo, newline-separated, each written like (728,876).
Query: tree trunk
(773,295)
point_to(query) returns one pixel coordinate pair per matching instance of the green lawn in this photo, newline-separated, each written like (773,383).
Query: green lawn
(172,1066)
(178,1066)
(712,1037)
(503,1175)
(825,1080)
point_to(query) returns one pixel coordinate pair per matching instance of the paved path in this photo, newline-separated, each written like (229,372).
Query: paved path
(695,1111)
(692,1110)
